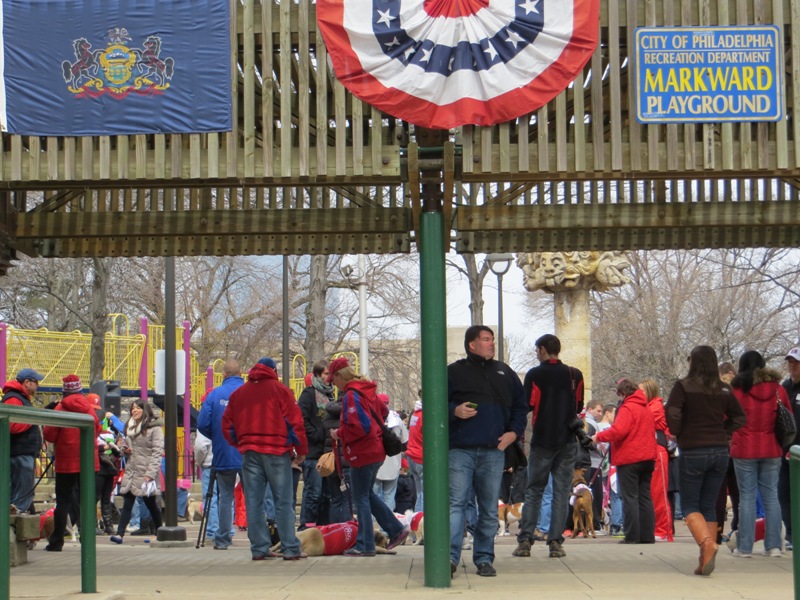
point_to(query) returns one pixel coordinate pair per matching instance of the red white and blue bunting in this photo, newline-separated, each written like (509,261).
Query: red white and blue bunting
(445,63)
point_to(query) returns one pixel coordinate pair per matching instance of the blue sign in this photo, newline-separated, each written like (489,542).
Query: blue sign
(115,67)
(708,74)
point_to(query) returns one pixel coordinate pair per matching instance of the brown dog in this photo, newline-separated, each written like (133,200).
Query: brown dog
(581,500)
(331,540)
(507,515)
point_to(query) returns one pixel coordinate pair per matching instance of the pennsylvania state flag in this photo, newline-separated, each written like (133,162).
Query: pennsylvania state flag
(114,67)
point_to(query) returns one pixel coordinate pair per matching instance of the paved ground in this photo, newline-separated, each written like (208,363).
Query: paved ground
(596,569)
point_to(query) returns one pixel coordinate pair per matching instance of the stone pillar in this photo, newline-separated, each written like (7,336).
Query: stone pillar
(570,276)
(573,328)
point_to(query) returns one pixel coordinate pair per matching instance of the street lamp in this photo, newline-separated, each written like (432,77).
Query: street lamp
(499,265)
(361,277)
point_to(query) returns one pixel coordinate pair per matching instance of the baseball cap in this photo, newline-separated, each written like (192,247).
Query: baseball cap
(793,353)
(26,374)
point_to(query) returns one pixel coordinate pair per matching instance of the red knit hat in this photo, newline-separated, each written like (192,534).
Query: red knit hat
(337,364)
(71,384)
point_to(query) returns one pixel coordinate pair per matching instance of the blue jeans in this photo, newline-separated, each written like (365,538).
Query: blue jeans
(475,473)
(415,469)
(615,503)
(258,470)
(702,471)
(212,520)
(312,488)
(22,482)
(341,500)
(542,463)
(543,524)
(762,475)
(226,481)
(369,504)
(387,490)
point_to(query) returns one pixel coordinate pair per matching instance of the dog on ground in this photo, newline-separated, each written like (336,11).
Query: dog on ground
(333,540)
(507,515)
(415,521)
(581,501)
(194,508)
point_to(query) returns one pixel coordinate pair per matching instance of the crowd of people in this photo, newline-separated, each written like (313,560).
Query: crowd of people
(643,459)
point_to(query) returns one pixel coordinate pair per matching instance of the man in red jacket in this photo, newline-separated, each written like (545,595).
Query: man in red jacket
(265,424)
(68,458)
(26,439)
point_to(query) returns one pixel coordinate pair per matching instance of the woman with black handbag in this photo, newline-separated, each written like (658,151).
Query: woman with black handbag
(756,453)
(361,435)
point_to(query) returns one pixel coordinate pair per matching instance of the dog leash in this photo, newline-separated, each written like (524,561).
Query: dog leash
(345,489)
(38,481)
(598,469)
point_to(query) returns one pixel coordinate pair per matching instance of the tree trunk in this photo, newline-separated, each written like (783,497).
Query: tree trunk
(99,318)
(475,279)
(315,310)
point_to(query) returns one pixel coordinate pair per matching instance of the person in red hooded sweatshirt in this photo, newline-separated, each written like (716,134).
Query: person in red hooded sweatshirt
(633,451)
(68,457)
(263,422)
(660,481)
(360,433)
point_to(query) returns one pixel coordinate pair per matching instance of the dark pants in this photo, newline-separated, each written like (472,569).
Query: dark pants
(639,518)
(702,471)
(67,490)
(784,497)
(127,507)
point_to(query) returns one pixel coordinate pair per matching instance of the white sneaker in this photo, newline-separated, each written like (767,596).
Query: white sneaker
(772,552)
(738,554)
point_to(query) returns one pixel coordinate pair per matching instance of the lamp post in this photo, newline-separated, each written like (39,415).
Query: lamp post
(499,264)
(361,277)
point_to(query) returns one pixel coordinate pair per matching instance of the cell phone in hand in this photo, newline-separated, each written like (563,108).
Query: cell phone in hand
(472,405)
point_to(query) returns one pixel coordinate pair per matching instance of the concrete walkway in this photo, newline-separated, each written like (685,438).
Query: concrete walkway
(594,569)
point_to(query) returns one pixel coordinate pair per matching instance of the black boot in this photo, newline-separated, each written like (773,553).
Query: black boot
(105,512)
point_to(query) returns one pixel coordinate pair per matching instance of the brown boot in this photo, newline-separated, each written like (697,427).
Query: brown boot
(703,533)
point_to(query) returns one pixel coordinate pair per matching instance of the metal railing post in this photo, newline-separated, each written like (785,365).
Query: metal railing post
(88,532)
(794,483)
(85,425)
(5,501)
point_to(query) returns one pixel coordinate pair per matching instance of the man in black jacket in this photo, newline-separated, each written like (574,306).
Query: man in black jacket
(792,387)
(26,440)
(313,402)
(487,414)
(555,392)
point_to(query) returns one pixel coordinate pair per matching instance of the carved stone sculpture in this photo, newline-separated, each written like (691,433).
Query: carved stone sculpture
(570,276)
(561,271)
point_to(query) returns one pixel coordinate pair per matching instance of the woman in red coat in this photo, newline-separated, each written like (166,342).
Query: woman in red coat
(659,482)
(756,453)
(360,433)
(67,442)
(633,451)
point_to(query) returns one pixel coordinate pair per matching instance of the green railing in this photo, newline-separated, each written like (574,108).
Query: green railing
(38,416)
(794,476)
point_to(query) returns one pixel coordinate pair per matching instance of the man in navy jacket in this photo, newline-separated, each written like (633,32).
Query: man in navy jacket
(487,413)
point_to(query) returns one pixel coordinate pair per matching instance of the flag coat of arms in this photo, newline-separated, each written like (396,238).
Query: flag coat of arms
(114,67)
(445,63)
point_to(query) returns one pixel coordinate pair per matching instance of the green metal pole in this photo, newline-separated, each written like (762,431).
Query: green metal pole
(88,518)
(794,493)
(5,501)
(434,386)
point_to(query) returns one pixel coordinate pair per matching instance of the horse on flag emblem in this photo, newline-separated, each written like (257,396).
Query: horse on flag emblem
(118,69)
(445,63)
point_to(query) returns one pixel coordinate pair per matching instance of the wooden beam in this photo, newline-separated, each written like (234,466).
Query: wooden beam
(572,227)
(226,245)
(213,223)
